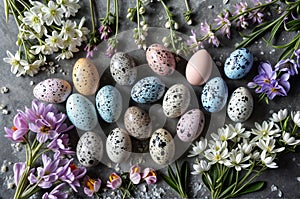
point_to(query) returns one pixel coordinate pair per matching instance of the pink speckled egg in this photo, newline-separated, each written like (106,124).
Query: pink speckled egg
(52,90)
(190,125)
(160,60)
(199,68)
(85,77)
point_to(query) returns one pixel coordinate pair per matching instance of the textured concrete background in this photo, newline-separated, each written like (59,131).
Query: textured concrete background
(20,95)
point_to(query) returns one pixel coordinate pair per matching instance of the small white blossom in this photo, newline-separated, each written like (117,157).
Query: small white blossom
(70,7)
(43,48)
(52,13)
(198,148)
(200,167)
(265,130)
(224,134)
(237,160)
(268,160)
(17,64)
(280,116)
(84,30)
(239,130)
(246,147)
(68,29)
(36,7)
(33,20)
(288,140)
(216,156)
(268,145)
(295,115)
(66,54)
(54,40)
(216,145)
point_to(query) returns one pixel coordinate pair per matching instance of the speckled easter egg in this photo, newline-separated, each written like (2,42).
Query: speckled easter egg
(162,147)
(89,149)
(138,123)
(238,64)
(81,111)
(199,68)
(52,90)
(240,105)
(85,77)
(214,95)
(160,59)
(109,103)
(122,68)
(176,100)
(190,125)
(148,90)
(118,145)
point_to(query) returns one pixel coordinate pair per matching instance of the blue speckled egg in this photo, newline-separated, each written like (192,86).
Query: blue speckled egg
(238,64)
(81,112)
(109,103)
(214,95)
(148,90)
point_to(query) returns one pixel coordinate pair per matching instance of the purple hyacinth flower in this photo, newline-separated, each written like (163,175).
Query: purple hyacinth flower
(104,31)
(60,144)
(287,65)
(20,128)
(297,54)
(39,110)
(283,81)
(56,193)
(274,89)
(265,74)
(18,168)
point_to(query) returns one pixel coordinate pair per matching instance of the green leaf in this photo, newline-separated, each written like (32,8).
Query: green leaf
(172,174)
(183,175)
(223,195)
(6,7)
(250,188)
(293,25)
(169,181)
(275,29)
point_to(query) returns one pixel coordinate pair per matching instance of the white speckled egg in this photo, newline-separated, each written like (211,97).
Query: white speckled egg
(52,90)
(81,111)
(240,105)
(176,100)
(122,68)
(118,145)
(109,103)
(238,64)
(214,95)
(190,125)
(89,149)
(85,77)
(162,147)
(160,59)
(148,90)
(138,123)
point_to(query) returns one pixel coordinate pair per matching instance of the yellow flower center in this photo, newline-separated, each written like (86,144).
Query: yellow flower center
(112,177)
(53,12)
(90,184)
(14,128)
(45,129)
(267,81)
(218,157)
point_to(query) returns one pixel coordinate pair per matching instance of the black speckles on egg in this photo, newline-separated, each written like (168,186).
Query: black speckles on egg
(122,68)
(118,145)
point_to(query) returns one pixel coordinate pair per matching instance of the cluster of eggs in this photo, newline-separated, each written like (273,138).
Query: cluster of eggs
(83,114)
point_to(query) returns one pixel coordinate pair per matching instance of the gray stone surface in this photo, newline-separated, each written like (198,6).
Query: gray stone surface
(20,95)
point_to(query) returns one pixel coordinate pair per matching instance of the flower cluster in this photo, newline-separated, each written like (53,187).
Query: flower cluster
(49,129)
(235,157)
(44,29)
(273,82)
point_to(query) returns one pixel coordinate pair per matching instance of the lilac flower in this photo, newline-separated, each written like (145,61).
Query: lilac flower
(205,30)
(134,174)
(223,20)
(239,9)
(287,65)
(256,16)
(90,49)
(20,128)
(39,110)
(110,51)
(91,186)
(265,74)
(104,30)
(297,54)
(149,175)
(60,144)
(18,168)
(56,193)
(193,43)
(115,181)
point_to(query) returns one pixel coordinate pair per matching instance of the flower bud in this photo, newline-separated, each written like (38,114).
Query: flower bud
(189,22)
(129,15)
(142,10)
(176,26)
(167,25)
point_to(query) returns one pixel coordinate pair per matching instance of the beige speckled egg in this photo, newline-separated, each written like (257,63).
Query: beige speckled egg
(138,123)
(199,68)
(118,145)
(176,100)
(52,90)
(162,147)
(85,77)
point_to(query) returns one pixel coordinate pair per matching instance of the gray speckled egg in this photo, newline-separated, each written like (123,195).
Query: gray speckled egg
(190,125)
(52,90)
(238,64)
(240,105)
(109,103)
(148,90)
(176,100)
(214,95)
(122,68)
(118,145)
(138,123)
(81,112)
(162,147)
(89,149)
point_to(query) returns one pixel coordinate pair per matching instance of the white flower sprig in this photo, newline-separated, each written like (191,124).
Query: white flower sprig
(44,29)
(234,157)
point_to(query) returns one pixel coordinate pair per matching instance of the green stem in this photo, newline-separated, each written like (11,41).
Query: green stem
(107,9)
(92,13)
(170,22)
(138,16)
(187,5)
(116,11)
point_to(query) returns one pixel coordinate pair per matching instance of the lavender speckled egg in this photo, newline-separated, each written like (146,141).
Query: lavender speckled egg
(138,123)
(240,105)
(109,103)
(238,64)
(148,90)
(160,59)
(52,90)
(81,111)
(190,125)
(122,69)
(162,147)
(85,77)
(118,145)
(89,149)
(176,100)
(214,95)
